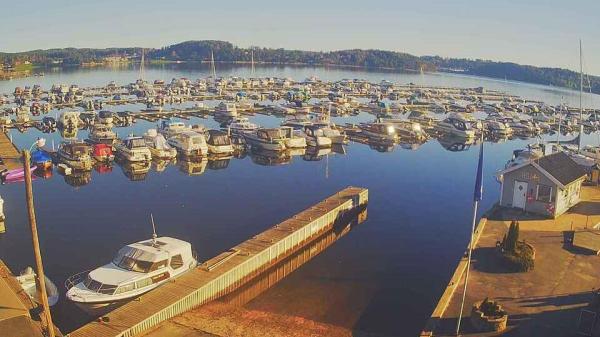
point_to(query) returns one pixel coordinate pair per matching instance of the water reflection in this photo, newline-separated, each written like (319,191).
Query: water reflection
(78,178)
(270,158)
(136,171)
(456,144)
(218,163)
(193,168)
(316,154)
(285,267)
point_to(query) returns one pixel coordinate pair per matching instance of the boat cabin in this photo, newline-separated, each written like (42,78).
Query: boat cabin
(548,185)
(134,142)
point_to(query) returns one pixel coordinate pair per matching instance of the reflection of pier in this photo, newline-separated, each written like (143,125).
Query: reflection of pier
(229,270)
(287,266)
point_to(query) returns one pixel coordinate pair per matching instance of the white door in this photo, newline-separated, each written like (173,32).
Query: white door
(519,194)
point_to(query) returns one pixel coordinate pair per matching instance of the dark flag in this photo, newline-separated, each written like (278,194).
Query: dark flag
(478,181)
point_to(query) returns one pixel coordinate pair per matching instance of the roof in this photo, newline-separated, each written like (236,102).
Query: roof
(562,167)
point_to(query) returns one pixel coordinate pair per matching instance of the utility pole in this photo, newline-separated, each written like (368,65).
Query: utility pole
(40,280)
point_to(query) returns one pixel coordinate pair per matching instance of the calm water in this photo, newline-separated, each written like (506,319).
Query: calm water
(384,277)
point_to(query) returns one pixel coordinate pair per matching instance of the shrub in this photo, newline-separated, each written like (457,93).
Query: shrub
(517,254)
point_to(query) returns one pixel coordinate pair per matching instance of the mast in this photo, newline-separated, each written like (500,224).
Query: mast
(142,66)
(252,56)
(212,64)
(580,95)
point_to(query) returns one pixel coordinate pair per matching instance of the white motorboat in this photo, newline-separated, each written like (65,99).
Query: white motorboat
(159,148)
(69,120)
(102,134)
(170,129)
(271,139)
(239,125)
(75,154)
(315,137)
(379,131)
(133,149)
(105,117)
(226,109)
(27,281)
(219,143)
(136,269)
(498,128)
(456,125)
(293,139)
(189,143)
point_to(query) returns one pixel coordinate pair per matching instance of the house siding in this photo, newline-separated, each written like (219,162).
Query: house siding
(533,177)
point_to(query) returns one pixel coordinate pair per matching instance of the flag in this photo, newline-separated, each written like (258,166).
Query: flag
(478,181)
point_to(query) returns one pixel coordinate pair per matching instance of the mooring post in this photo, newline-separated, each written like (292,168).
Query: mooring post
(40,280)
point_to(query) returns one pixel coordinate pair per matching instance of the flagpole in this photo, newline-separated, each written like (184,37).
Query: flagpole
(476,199)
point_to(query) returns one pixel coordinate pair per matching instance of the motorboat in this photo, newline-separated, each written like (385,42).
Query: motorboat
(170,129)
(49,122)
(41,159)
(521,156)
(189,143)
(498,128)
(298,122)
(226,109)
(293,139)
(239,125)
(14,175)
(219,143)
(315,137)
(159,148)
(406,128)
(69,120)
(27,281)
(272,139)
(105,117)
(102,134)
(591,151)
(136,269)
(133,149)
(456,125)
(102,152)
(75,154)
(379,131)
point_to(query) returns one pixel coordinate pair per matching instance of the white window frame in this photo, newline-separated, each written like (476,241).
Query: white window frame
(537,193)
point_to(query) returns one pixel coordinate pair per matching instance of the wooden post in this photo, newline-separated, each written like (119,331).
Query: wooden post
(40,280)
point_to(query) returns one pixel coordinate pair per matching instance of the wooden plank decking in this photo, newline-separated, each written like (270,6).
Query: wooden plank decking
(10,157)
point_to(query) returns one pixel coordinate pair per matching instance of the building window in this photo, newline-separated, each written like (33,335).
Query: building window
(544,193)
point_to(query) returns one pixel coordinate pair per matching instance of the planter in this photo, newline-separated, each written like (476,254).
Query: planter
(484,323)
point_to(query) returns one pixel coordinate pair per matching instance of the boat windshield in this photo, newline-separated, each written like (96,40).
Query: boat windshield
(136,142)
(460,125)
(140,266)
(220,140)
(93,285)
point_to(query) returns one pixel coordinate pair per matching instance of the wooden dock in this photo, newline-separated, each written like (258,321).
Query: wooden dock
(10,157)
(227,271)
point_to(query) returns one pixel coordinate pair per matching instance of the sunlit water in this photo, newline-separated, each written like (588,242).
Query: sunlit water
(384,277)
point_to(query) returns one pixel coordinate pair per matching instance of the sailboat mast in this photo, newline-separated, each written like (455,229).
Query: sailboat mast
(212,63)
(580,94)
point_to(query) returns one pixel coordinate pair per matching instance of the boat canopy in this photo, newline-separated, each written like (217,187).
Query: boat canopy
(142,256)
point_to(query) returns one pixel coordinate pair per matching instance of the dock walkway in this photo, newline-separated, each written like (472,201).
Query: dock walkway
(10,157)
(227,271)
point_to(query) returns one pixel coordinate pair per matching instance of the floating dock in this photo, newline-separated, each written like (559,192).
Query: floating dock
(10,157)
(227,271)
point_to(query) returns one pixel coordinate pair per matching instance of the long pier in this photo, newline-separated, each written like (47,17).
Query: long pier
(227,271)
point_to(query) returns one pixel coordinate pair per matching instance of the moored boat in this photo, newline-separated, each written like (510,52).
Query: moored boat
(133,149)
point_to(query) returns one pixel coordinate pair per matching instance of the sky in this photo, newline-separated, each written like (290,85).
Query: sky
(535,32)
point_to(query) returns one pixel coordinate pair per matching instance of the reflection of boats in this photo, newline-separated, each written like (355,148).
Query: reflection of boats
(136,269)
(28,283)
(161,164)
(316,154)
(103,167)
(456,125)
(136,171)
(406,128)
(219,143)
(133,149)
(75,154)
(196,167)
(159,148)
(381,146)
(456,144)
(338,148)
(270,158)
(219,163)
(189,144)
(78,178)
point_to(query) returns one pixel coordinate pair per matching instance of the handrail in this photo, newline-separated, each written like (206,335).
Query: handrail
(76,279)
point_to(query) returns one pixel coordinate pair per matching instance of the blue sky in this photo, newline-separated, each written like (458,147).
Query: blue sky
(533,32)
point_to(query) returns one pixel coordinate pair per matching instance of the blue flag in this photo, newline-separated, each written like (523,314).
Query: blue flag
(478,181)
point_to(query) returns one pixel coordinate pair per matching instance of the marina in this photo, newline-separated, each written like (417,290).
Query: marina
(405,173)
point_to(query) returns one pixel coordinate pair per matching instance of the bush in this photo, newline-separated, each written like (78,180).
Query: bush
(518,255)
